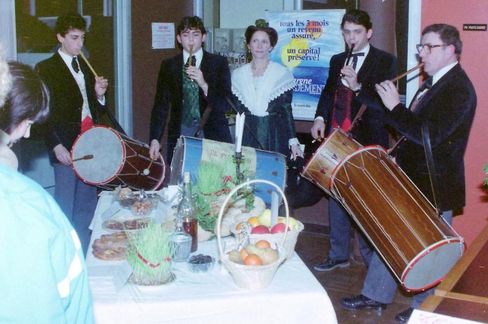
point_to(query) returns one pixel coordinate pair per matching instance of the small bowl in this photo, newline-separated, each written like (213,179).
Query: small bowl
(139,203)
(201,263)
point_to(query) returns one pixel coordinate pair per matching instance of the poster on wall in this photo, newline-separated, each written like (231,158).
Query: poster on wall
(306,42)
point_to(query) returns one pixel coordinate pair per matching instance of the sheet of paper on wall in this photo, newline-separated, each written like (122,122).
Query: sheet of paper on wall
(163,35)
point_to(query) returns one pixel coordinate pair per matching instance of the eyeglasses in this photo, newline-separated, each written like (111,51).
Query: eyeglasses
(427,48)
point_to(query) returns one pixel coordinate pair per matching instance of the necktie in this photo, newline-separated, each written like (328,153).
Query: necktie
(74,64)
(192,60)
(420,93)
(355,59)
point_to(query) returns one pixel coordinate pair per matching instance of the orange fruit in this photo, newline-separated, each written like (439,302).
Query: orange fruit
(253,259)
(262,244)
(254,221)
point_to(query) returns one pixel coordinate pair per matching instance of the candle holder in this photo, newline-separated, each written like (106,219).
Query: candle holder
(238,161)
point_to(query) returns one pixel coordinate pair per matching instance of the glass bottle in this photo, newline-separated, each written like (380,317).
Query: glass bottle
(182,242)
(186,212)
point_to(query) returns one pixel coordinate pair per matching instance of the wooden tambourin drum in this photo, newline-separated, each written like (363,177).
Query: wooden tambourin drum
(117,160)
(419,246)
(190,151)
(327,157)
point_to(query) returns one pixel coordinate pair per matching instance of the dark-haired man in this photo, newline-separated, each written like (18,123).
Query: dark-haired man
(191,92)
(76,100)
(445,112)
(348,87)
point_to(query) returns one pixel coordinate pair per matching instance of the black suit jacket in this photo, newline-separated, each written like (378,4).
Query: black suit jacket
(448,109)
(377,66)
(66,101)
(169,96)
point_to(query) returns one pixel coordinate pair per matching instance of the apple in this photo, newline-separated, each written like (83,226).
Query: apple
(278,228)
(260,229)
(265,217)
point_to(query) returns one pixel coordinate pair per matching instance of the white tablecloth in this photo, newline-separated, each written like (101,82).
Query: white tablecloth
(294,296)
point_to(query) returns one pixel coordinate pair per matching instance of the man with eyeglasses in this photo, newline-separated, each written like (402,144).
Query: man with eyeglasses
(447,110)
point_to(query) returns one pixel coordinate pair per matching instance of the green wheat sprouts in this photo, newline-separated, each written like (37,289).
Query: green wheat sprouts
(149,252)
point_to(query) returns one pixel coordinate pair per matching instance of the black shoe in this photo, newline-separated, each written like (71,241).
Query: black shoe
(404,316)
(330,264)
(360,302)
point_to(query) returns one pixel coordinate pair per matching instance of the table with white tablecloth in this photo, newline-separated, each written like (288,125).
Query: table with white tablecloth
(294,296)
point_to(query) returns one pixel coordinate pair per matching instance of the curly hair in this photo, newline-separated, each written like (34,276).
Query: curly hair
(69,21)
(273,35)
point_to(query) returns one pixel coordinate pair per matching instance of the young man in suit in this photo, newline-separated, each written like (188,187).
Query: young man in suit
(77,99)
(191,95)
(445,112)
(348,87)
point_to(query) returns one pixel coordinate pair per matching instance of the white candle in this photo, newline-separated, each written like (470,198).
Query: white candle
(239,130)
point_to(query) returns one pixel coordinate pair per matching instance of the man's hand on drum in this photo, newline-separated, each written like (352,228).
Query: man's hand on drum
(388,94)
(101,85)
(318,129)
(154,148)
(62,154)
(296,151)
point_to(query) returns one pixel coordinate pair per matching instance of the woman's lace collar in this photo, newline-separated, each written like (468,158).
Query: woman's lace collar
(275,81)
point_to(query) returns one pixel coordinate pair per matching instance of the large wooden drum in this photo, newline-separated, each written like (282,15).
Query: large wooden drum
(327,158)
(116,160)
(419,247)
(265,165)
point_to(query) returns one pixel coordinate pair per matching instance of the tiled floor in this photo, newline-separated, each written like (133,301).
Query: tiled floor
(312,247)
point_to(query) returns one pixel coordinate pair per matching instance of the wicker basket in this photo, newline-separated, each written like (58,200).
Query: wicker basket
(247,276)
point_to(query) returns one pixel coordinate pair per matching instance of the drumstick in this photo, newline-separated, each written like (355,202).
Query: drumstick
(89,65)
(146,171)
(86,157)
(407,72)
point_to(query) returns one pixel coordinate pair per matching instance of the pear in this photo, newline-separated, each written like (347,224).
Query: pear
(265,217)
(292,222)
(268,255)
(235,256)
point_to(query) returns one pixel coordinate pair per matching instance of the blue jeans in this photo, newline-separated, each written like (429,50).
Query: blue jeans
(381,286)
(340,234)
(77,199)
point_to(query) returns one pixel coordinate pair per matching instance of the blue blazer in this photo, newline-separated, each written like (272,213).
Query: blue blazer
(448,109)
(168,101)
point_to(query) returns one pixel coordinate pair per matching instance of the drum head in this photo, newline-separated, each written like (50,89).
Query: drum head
(108,153)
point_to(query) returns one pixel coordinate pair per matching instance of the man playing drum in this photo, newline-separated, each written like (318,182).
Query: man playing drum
(352,76)
(442,119)
(76,100)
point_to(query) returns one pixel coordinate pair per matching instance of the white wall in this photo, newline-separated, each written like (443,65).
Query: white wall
(242,13)
(7,27)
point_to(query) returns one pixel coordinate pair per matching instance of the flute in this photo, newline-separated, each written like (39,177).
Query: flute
(89,65)
(348,58)
(407,72)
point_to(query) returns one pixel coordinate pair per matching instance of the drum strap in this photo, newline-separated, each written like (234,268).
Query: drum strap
(429,157)
(203,121)
(361,111)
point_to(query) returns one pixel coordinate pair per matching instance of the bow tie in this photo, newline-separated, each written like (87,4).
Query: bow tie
(426,85)
(354,57)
